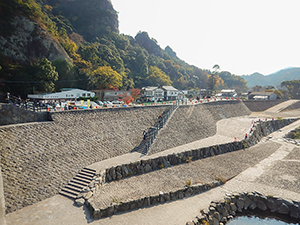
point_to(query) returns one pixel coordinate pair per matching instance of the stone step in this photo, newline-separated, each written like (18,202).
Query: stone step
(80,181)
(84,184)
(70,191)
(84,180)
(68,194)
(72,183)
(84,177)
(88,174)
(71,187)
(85,169)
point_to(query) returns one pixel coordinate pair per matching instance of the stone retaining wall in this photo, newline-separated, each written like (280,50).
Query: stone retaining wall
(261,105)
(10,114)
(292,107)
(220,212)
(38,159)
(195,122)
(260,130)
(160,198)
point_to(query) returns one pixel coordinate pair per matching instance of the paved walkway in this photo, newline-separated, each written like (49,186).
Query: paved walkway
(60,210)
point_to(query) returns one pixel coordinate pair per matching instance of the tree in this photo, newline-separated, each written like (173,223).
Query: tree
(135,93)
(158,77)
(45,74)
(125,98)
(105,77)
(66,72)
(212,80)
(293,88)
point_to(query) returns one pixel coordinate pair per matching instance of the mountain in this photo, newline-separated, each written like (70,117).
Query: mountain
(46,45)
(274,79)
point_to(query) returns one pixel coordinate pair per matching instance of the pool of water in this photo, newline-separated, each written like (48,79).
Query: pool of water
(245,220)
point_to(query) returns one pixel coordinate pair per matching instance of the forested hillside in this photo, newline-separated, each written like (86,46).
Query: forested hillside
(46,45)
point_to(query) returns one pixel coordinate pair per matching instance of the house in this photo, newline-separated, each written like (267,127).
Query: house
(227,93)
(181,95)
(164,93)
(152,94)
(170,93)
(262,96)
(110,95)
(65,94)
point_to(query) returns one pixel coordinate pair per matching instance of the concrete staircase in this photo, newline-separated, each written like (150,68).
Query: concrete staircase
(80,181)
(152,132)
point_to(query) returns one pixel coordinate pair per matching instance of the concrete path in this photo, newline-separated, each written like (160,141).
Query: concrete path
(60,210)
(279,107)
(276,111)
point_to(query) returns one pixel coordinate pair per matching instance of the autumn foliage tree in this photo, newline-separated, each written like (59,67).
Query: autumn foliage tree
(135,93)
(104,77)
(126,98)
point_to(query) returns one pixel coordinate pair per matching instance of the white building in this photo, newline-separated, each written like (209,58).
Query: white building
(63,95)
(164,93)
(153,93)
(262,96)
(170,93)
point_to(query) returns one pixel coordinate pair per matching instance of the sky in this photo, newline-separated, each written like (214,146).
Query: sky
(241,36)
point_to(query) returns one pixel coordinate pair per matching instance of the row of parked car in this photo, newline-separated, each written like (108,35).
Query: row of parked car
(108,103)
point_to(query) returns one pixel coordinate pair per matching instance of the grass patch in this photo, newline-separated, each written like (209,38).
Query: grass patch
(222,179)
(188,182)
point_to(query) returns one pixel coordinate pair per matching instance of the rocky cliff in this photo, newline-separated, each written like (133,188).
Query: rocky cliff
(29,42)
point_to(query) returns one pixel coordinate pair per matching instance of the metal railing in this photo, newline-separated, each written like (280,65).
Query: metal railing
(153,131)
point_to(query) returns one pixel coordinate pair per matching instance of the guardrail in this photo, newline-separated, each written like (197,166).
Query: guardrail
(153,131)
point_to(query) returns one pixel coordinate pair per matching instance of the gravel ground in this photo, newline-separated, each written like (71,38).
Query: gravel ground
(200,171)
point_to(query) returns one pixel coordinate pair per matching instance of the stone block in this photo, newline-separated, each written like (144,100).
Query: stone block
(80,201)
(261,205)
(283,209)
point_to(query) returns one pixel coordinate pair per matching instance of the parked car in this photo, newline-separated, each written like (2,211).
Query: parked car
(99,103)
(116,102)
(107,104)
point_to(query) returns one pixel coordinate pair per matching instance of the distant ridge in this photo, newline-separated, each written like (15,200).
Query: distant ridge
(273,79)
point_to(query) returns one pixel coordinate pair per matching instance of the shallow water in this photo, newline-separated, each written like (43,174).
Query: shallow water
(244,220)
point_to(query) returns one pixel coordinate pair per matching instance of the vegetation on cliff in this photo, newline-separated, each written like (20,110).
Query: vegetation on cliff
(98,56)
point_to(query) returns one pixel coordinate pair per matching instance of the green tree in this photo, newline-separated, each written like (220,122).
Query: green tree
(105,77)
(157,77)
(66,74)
(293,88)
(45,75)
(213,79)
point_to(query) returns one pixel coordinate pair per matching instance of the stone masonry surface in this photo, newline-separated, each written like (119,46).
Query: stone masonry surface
(293,106)
(119,204)
(191,123)
(10,114)
(38,159)
(259,106)
(170,179)
(219,212)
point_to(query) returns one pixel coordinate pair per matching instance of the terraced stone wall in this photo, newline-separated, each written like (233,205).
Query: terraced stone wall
(38,159)
(195,122)
(10,114)
(260,130)
(261,105)
(292,107)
